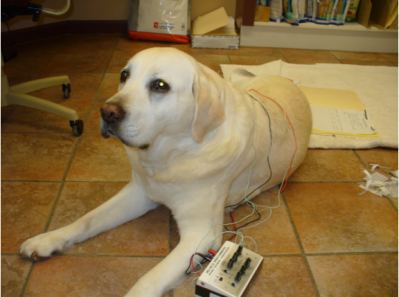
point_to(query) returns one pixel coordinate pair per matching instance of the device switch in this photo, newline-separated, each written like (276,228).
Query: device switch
(246,263)
(238,276)
(234,258)
(230,263)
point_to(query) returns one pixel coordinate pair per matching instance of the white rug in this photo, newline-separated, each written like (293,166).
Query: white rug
(377,87)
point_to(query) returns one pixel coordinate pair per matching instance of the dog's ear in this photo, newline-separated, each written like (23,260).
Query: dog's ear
(209,111)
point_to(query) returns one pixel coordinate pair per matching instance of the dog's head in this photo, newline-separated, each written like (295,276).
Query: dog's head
(163,91)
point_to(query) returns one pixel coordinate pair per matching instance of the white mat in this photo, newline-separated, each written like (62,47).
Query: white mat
(377,87)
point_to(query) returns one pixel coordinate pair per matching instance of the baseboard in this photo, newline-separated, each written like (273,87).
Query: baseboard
(349,37)
(66,27)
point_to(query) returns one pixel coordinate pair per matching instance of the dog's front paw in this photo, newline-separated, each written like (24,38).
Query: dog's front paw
(43,246)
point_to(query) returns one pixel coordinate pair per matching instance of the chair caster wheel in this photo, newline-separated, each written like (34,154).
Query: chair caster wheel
(77,127)
(66,90)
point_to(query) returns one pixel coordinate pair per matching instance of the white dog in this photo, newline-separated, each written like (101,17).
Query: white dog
(196,143)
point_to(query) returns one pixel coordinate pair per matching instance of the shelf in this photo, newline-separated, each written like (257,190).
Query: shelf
(349,37)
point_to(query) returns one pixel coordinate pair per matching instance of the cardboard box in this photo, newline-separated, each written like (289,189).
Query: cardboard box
(215,30)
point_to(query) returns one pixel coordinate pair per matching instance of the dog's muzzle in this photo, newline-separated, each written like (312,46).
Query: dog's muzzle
(112,114)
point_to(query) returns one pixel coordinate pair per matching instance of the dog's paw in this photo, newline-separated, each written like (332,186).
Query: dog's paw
(42,246)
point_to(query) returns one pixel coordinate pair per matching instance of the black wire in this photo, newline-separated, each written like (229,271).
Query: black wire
(268,160)
(204,259)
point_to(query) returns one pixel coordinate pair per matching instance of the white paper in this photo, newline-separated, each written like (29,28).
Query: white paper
(340,121)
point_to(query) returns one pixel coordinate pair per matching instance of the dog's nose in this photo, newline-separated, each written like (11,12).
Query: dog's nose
(112,113)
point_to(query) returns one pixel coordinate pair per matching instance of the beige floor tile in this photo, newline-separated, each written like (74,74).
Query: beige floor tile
(127,48)
(93,121)
(109,86)
(64,55)
(277,276)
(134,46)
(86,276)
(35,156)
(145,236)
(303,56)
(119,60)
(275,235)
(14,271)
(6,112)
(329,165)
(68,44)
(99,159)
(356,275)
(24,119)
(212,61)
(383,157)
(84,62)
(395,202)
(60,63)
(25,211)
(335,218)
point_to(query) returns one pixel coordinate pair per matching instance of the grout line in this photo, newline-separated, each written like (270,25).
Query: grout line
(339,60)
(25,285)
(58,197)
(313,279)
(364,164)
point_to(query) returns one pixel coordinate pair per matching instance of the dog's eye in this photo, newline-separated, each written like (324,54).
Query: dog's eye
(124,75)
(159,86)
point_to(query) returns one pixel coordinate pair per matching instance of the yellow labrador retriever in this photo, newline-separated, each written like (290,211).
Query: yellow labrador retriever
(197,144)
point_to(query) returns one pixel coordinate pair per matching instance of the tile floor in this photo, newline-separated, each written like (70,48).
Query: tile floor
(324,240)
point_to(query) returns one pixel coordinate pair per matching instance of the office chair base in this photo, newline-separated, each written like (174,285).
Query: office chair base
(17,95)
(77,127)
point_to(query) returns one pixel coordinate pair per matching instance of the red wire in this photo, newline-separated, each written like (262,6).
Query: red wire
(233,222)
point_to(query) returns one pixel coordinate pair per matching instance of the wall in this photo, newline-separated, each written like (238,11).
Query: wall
(107,10)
